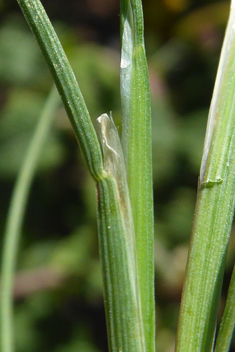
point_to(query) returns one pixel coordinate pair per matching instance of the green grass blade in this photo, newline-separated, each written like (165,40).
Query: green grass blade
(214,211)
(15,219)
(117,240)
(136,139)
(66,83)
(225,334)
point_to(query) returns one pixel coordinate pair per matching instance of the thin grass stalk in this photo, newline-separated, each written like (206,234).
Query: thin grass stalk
(226,329)
(15,220)
(137,145)
(66,83)
(214,211)
(116,241)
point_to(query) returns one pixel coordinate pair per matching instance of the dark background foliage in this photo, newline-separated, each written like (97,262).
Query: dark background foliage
(58,288)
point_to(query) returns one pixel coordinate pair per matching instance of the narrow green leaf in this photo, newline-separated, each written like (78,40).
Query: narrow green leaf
(117,248)
(225,334)
(15,219)
(137,144)
(66,83)
(214,211)
(116,230)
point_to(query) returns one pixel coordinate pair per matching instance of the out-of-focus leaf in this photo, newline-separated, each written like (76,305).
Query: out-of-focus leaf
(20,59)
(178,215)
(164,134)
(97,69)
(191,136)
(193,24)
(18,119)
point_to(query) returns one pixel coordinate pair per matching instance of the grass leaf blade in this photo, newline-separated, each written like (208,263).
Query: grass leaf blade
(226,329)
(15,219)
(214,211)
(66,83)
(136,140)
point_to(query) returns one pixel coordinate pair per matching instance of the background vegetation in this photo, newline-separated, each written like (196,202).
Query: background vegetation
(58,290)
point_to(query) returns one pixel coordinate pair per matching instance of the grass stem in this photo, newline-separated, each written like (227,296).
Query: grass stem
(15,220)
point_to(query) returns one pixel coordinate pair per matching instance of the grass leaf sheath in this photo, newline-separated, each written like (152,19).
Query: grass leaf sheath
(214,211)
(117,239)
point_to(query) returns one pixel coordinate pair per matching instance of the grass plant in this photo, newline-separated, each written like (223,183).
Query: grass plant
(122,173)
(129,327)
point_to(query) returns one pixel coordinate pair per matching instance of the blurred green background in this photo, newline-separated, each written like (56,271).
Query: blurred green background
(58,288)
